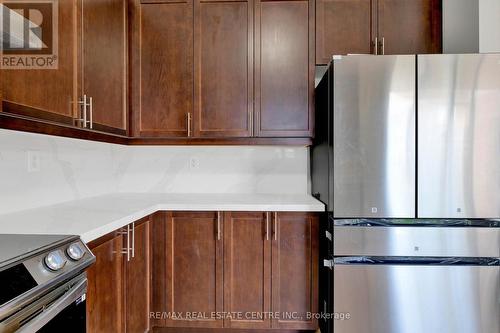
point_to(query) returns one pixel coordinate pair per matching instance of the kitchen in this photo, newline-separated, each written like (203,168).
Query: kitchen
(223,166)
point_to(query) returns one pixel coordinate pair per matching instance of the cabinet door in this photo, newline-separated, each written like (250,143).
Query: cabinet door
(295,269)
(284,67)
(47,94)
(189,277)
(137,282)
(343,27)
(105,288)
(223,42)
(103,62)
(247,269)
(410,26)
(162,68)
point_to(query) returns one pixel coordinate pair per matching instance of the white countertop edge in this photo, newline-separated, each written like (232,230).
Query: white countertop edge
(122,222)
(115,225)
(94,217)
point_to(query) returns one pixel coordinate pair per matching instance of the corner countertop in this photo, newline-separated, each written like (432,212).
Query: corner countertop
(95,217)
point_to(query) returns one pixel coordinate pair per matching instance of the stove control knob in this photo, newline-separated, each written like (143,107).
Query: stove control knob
(55,260)
(75,251)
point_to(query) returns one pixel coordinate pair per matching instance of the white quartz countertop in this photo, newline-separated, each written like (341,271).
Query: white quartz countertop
(94,217)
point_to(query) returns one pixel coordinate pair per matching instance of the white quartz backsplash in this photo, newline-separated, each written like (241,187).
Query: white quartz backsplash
(38,170)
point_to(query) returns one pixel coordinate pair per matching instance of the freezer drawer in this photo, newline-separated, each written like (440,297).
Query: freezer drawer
(417,299)
(459,136)
(417,241)
(374,102)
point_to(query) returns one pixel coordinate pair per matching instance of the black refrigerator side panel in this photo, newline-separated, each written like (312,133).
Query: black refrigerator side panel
(322,189)
(320,159)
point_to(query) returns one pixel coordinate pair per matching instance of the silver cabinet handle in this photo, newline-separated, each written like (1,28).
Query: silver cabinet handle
(82,102)
(126,249)
(250,122)
(188,117)
(375,47)
(133,239)
(267,225)
(85,104)
(91,112)
(275,228)
(87,112)
(128,242)
(218,225)
(383,46)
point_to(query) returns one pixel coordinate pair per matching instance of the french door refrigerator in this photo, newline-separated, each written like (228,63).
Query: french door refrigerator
(407,160)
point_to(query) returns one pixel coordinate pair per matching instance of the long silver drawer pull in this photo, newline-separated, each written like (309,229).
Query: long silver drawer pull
(133,239)
(275,231)
(218,225)
(267,225)
(91,112)
(188,117)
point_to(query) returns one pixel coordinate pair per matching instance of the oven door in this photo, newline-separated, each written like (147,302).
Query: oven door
(61,310)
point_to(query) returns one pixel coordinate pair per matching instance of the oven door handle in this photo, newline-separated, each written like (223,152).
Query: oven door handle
(75,292)
(22,322)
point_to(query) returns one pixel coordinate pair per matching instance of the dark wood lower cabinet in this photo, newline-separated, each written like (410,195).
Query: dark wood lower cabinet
(105,301)
(207,272)
(295,269)
(187,269)
(118,294)
(138,281)
(247,269)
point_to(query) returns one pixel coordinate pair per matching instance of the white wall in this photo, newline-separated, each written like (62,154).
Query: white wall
(489,26)
(73,169)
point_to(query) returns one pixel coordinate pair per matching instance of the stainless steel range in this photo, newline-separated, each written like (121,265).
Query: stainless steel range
(407,159)
(43,283)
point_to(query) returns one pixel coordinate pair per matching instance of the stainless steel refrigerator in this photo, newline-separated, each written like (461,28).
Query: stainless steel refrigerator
(407,160)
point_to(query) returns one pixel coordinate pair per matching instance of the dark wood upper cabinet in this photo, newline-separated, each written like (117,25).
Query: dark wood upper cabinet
(104,63)
(247,268)
(377,27)
(295,269)
(344,26)
(188,270)
(223,41)
(162,68)
(92,62)
(48,94)
(173,72)
(105,301)
(410,26)
(284,68)
(138,281)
